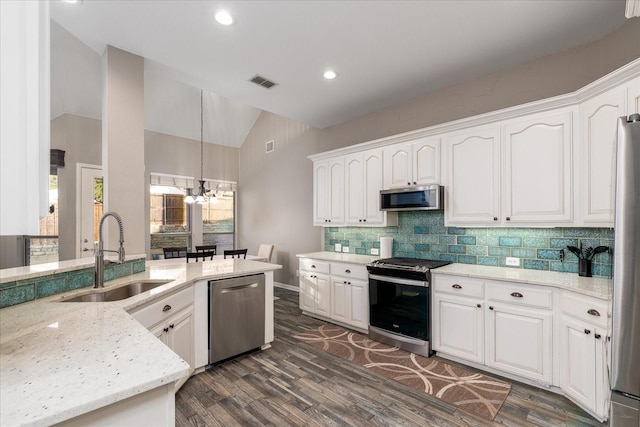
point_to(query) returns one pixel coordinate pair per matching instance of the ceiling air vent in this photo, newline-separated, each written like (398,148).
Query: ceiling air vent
(261,81)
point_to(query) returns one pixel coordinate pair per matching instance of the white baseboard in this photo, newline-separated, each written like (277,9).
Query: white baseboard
(285,286)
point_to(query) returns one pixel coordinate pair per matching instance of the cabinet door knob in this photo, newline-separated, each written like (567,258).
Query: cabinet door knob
(171,326)
(364,220)
(490,307)
(597,336)
(593,312)
(587,331)
(360,220)
(345,282)
(166,329)
(495,218)
(166,308)
(347,271)
(478,305)
(516,294)
(456,286)
(348,283)
(508,218)
(414,183)
(408,183)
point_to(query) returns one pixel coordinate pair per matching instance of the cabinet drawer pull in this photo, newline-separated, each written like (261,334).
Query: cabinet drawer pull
(593,312)
(597,336)
(166,308)
(166,329)
(171,326)
(456,286)
(516,294)
(313,266)
(347,271)
(587,331)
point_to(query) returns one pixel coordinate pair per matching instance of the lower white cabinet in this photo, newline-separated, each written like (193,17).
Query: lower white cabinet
(177,334)
(521,331)
(171,320)
(338,292)
(583,342)
(519,341)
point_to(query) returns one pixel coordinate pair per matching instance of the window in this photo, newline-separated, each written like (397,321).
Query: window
(169,218)
(219,219)
(44,247)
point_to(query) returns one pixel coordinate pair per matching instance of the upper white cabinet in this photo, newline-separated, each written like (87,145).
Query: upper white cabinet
(598,131)
(363,183)
(537,169)
(598,124)
(473,177)
(516,172)
(328,192)
(412,163)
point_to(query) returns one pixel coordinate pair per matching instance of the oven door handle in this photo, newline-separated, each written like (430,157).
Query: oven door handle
(399,281)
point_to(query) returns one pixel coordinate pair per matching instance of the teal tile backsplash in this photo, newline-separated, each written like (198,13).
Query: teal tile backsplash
(422,234)
(20,291)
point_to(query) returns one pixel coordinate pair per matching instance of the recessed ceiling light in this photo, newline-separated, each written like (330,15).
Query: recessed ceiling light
(72,1)
(330,75)
(224,18)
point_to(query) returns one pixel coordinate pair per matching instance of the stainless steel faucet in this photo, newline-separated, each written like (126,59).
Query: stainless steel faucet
(99,268)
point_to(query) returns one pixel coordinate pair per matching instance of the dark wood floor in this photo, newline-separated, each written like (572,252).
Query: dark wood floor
(294,384)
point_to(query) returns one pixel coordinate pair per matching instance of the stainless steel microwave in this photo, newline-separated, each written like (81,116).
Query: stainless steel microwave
(428,197)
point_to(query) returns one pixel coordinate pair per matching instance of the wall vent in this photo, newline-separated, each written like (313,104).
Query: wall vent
(269,146)
(261,81)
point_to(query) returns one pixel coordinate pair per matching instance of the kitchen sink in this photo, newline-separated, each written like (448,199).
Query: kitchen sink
(119,293)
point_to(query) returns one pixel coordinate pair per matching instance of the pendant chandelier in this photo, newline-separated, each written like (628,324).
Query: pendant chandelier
(202,195)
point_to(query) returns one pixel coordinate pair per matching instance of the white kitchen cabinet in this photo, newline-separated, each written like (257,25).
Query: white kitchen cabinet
(537,158)
(177,334)
(583,342)
(598,130)
(350,295)
(363,182)
(458,317)
(337,292)
(633,96)
(518,172)
(412,163)
(458,327)
(519,341)
(171,320)
(472,193)
(328,192)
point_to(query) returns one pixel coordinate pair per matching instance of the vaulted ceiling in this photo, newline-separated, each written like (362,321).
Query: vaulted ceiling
(384,52)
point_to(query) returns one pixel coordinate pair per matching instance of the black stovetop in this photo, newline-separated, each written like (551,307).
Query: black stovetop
(405,267)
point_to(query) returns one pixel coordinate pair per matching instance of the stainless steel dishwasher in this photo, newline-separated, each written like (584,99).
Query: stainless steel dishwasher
(236,316)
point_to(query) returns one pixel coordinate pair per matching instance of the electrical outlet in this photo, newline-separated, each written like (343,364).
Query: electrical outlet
(512,261)
(375,251)
(338,247)
(345,249)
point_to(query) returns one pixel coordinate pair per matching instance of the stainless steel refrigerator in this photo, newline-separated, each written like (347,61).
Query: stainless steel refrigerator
(625,339)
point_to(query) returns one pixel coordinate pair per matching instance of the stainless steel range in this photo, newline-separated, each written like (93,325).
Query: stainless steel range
(399,302)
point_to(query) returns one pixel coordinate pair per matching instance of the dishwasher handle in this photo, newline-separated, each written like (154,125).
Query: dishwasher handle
(238,288)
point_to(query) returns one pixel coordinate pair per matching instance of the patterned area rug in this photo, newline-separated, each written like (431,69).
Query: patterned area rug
(472,392)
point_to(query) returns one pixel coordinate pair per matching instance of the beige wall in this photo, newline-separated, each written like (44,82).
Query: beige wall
(81,139)
(281,192)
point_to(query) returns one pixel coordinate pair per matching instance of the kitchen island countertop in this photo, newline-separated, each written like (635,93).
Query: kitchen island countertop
(61,360)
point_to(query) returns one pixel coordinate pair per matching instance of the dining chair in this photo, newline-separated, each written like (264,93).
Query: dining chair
(203,255)
(207,248)
(235,253)
(265,251)
(177,252)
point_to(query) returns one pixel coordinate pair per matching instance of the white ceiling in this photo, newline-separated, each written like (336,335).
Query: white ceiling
(384,51)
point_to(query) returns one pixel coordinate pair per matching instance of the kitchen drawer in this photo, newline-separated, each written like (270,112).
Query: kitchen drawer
(156,312)
(592,310)
(517,293)
(350,271)
(458,285)
(314,265)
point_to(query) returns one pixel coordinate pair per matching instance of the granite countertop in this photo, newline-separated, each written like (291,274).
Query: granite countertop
(597,287)
(60,360)
(340,257)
